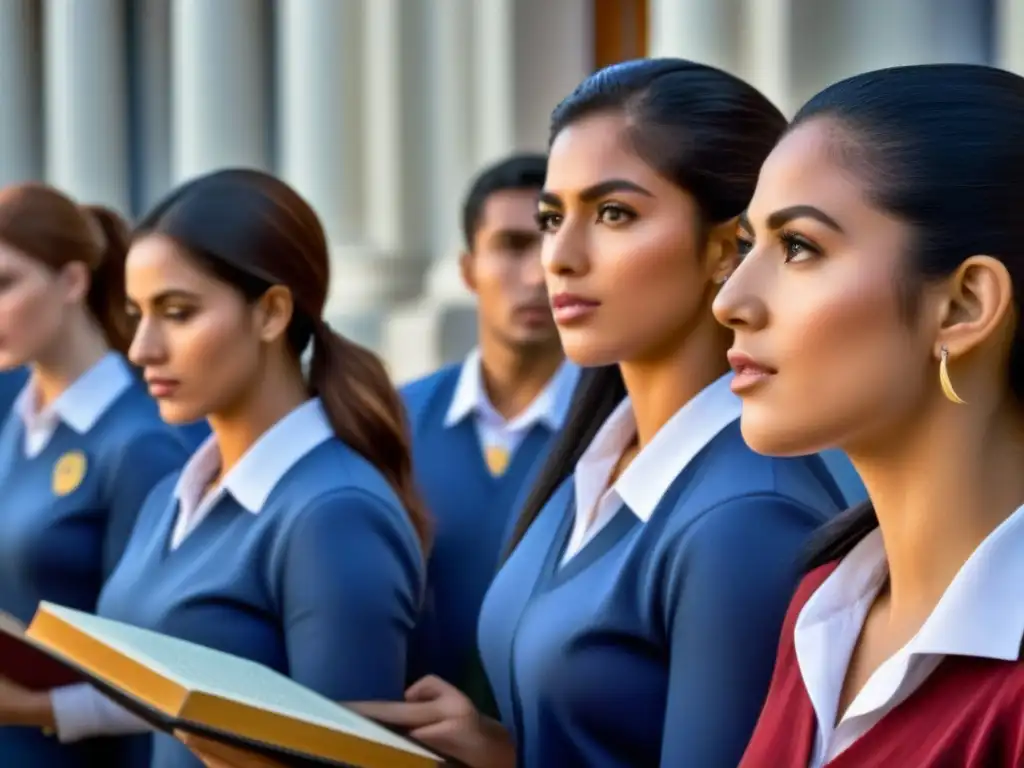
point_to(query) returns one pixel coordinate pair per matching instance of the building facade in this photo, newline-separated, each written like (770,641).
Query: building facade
(379,111)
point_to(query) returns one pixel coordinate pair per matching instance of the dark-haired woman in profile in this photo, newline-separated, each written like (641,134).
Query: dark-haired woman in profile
(636,620)
(293,537)
(879,310)
(83,445)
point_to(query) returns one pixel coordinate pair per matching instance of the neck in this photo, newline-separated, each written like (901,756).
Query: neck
(660,386)
(276,394)
(80,346)
(514,377)
(939,489)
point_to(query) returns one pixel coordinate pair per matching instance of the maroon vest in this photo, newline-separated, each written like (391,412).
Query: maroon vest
(968,714)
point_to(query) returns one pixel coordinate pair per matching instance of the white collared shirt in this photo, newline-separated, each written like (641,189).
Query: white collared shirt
(979,615)
(251,481)
(648,477)
(79,406)
(550,407)
(80,711)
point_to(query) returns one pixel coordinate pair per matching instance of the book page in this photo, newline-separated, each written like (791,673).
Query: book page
(205,670)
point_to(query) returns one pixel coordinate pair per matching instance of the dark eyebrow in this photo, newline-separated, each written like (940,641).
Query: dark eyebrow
(597,191)
(172,294)
(782,217)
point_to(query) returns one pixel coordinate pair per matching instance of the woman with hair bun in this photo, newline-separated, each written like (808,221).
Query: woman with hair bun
(878,310)
(83,444)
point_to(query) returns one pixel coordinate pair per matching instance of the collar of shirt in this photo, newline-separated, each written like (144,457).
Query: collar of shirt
(979,615)
(79,406)
(653,470)
(268,460)
(550,407)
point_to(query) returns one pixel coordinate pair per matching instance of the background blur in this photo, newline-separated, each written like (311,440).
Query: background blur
(379,111)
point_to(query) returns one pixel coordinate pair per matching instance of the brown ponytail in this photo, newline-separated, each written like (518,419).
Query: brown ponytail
(45,224)
(367,414)
(107,299)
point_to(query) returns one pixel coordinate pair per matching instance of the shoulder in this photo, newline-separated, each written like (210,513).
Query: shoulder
(419,394)
(730,474)
(334,481)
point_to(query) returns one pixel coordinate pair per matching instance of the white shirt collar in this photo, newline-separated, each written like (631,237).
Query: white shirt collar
(268,460)
(648,477)
(980,614)
(79,406)
(550,407)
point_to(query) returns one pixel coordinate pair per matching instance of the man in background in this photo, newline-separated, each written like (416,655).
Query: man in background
(481,428)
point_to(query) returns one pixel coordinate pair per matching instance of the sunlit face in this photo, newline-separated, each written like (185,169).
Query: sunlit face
(503,269)
(624,272)
(196,341)
(34,301)
(825,356)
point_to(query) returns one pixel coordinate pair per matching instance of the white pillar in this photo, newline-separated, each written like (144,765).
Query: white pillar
(1010,31)
(494,64)
(151,93)
(454,150)
(86,100)
(769,39)
(21,156)
(219,86)
(705,31)
(397,148)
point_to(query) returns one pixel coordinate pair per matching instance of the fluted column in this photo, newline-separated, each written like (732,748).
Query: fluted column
(220,88)
(701,30)
(494,63)
(768,43)
(1010,35)
(397,140)
(320,132)
(86,100)
(151,95)
(20,77)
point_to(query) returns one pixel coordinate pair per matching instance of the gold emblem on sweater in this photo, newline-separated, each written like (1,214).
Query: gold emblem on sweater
(68,473)
(497,457)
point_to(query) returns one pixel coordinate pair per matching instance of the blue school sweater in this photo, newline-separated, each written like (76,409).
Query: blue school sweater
(473,513)
(322,582)
(11,384)
(67,516)
(629,653)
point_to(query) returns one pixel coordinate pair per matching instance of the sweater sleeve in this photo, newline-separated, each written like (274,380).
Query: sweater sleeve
(729,582)
(351,585)
(140,465)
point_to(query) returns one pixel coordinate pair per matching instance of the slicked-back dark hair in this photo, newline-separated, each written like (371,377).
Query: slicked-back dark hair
(702,129)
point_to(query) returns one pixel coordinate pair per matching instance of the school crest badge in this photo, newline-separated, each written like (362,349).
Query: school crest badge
(69,472)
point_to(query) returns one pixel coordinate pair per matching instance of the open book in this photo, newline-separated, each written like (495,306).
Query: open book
(174,684)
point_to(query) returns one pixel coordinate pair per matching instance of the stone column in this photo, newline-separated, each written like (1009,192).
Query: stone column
(220,86)
(86,100)
(321,139)
(706,31)
(768,33)
(21,157)
(1010,35)
(151,93)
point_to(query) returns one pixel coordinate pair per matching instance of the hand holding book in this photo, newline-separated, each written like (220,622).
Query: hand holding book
(441,717)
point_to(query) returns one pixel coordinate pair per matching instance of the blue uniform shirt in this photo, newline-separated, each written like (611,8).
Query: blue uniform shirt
(303,560)
(73,479)
(647,637)
(473,508)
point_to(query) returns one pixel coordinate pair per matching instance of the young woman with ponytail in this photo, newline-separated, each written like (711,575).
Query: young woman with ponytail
(293,536)
(83,444)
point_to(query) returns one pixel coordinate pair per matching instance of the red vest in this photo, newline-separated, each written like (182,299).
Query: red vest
(968,714)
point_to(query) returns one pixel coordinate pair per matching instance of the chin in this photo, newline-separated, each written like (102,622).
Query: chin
(770,436)
(177,414)
(589,352)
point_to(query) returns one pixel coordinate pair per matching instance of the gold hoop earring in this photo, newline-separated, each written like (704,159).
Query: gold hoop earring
(944,382)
